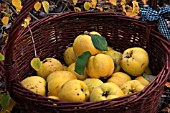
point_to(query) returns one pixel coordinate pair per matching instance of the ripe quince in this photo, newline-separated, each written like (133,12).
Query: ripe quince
(71,68)
(35,84)
(119,78)
(48,66)
(69,56)
(74,91)
(106,91)
(84,43)
(57,79)
(100,65)
(116,56)
(134,61)
(132,86)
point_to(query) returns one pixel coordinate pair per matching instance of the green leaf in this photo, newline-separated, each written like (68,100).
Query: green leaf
(36,63)
(148,77)
(2,57)
(4,100)
(81,62)
(99,42)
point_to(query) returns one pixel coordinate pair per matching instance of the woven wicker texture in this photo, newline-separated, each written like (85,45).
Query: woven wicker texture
(54,34)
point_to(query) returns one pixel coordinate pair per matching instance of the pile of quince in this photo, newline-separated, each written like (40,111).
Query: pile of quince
(92,71)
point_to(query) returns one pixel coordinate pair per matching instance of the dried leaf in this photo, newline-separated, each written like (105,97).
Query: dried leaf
(93,3)
(77,9)
(37,6)
(36,63)
(144,1)
(135,7)
(87,5)
(5,20)
(113,2)
(46,6)
(2,57)
(26,22)
(17,4)
(75,2)
(167,84)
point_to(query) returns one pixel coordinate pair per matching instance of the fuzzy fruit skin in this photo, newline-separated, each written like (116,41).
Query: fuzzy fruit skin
(69,56)
(116,56)
(48,66)
(100,65)
(74,91)
(84,43)
(57,79)
(119,78)
(112,90)
(142,80)
(93,83)
(71,68)
(35,84)
(134,61)
(132,86)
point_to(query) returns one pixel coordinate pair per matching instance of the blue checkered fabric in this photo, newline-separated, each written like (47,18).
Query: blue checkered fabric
(151,15)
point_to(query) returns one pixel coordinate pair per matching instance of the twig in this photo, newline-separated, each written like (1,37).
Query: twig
(33,16)
(35,52)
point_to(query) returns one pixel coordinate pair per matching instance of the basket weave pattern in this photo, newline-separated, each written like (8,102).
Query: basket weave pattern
(54,34)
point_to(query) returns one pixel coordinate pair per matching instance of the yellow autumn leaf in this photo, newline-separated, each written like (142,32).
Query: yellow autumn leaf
(17,4)
(135,7)
(113,2)
(144,1)
(26,22)
(123,2)
(37,6)
(87,5)
(93,3)
(100,9)
(77,9)
(46,6)
(75,2)
(5,20)
(99,0)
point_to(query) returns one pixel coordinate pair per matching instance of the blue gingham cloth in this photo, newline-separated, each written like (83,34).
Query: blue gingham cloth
(151,15)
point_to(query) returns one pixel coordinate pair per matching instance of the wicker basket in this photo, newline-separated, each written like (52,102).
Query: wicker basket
(54,34)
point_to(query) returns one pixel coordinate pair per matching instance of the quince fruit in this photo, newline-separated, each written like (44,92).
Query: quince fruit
(116,56)
(106,91)
(57,79)
(84,43)
(119,78)
(35,84)
(100,65)
(93,83)
(74,91)
(132,86)
(71,68)
(134,61)
(48,66)
(69,56)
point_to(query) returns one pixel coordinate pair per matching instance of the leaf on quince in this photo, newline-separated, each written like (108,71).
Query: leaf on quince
(37,6)
(99,42)
(17,4)
(149,77)
(5,20)
(2,58)
(87,5)
(46,6)
(36,63)
(4,99)
(81,62)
